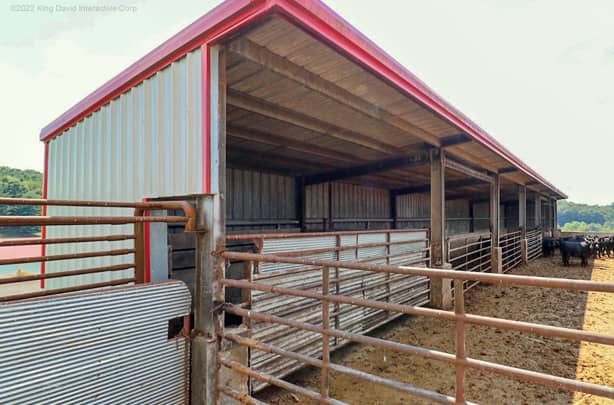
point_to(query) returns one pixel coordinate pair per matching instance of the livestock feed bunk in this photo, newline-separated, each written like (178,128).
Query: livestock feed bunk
(393,247)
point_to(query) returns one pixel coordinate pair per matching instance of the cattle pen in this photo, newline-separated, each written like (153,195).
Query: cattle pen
(277,188)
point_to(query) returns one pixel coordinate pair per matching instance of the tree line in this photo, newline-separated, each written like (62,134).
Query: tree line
(575,217)
(19,183)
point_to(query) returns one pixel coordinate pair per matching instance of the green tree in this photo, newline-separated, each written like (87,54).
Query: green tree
(18,183)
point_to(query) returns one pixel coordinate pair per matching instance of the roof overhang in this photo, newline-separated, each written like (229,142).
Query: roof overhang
(321,22)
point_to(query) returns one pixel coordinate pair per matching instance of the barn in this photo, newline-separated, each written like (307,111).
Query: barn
(310,141)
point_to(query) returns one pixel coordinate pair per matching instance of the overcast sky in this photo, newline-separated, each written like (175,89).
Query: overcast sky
(537,75)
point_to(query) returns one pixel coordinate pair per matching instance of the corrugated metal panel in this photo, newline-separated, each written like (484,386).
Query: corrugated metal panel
(316,201)
(102,347)
(145,143)
(253,195)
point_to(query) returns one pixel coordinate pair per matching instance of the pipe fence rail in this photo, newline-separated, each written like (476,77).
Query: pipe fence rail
(407,247)
(320,325)
(510,245)
(534,244)
(100,246)
(471,252)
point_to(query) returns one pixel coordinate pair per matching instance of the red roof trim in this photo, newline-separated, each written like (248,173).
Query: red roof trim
(324,23)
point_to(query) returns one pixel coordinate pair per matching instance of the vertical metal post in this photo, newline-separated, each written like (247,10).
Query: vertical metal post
(324,387)
(459,309)
(393,209)
(139,249)
(330,225)
(538,211)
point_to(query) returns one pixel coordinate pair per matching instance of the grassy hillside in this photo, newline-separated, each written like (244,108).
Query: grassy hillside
(20,184)
(584,217)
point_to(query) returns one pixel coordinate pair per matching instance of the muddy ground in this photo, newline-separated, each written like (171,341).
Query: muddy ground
(587,362)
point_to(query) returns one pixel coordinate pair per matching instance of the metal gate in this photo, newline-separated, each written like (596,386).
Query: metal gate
(100,333)
(534,244)
(470,252)
(511,250)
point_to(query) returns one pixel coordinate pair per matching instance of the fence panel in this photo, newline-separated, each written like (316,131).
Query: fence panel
(534,244)
(396,247)
(324,332)
(511,255)
(470,252)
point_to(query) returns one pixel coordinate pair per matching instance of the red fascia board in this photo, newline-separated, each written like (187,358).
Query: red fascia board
(324,23)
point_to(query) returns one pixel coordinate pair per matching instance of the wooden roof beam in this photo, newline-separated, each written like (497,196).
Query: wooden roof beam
(276,140)
(369,168)
(454,140)
(506,170)
(270,110)
(451,185)
(464,169)
(282,66)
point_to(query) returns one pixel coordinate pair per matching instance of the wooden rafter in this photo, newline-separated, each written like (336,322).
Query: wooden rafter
(282,66)
(264,108)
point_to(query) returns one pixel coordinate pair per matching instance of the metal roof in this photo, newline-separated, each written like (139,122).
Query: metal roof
(322,22)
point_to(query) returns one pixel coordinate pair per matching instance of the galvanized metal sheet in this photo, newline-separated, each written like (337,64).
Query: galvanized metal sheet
(96,347)
(145,143)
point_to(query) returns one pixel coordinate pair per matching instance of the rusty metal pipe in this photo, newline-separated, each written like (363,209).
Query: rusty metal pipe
(69,256)
(249,236)
(29,242)
(269,379)
(543,330)
(67,289)
(546,282)
(512,372)
(19,279)
(242,397)
(47,220)
(406,388)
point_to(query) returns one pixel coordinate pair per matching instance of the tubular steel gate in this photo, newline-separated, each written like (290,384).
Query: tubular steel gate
(534,244)
(471,252)
(510,245)
(105,335)
(322,326)
(396,247)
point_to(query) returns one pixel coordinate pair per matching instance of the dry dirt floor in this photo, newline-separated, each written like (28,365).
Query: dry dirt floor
(586,361)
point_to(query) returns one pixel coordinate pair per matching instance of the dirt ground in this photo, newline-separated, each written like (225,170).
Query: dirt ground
(587,362)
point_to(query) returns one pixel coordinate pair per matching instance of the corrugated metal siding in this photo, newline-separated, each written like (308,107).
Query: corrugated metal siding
(145,143)
(105,347)
(481,215)
(253,195)
(414,211)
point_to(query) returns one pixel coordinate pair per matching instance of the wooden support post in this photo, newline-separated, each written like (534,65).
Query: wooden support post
(441,294)
(301,203)
(522,222)
(538,211)
(522,210)
(555,218)
(495,206)
(393,209)
(330,225)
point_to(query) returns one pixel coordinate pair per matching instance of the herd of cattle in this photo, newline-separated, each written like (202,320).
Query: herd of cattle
(582,247)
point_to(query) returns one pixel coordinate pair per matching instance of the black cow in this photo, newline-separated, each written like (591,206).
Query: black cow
(549,245)
(575,248)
